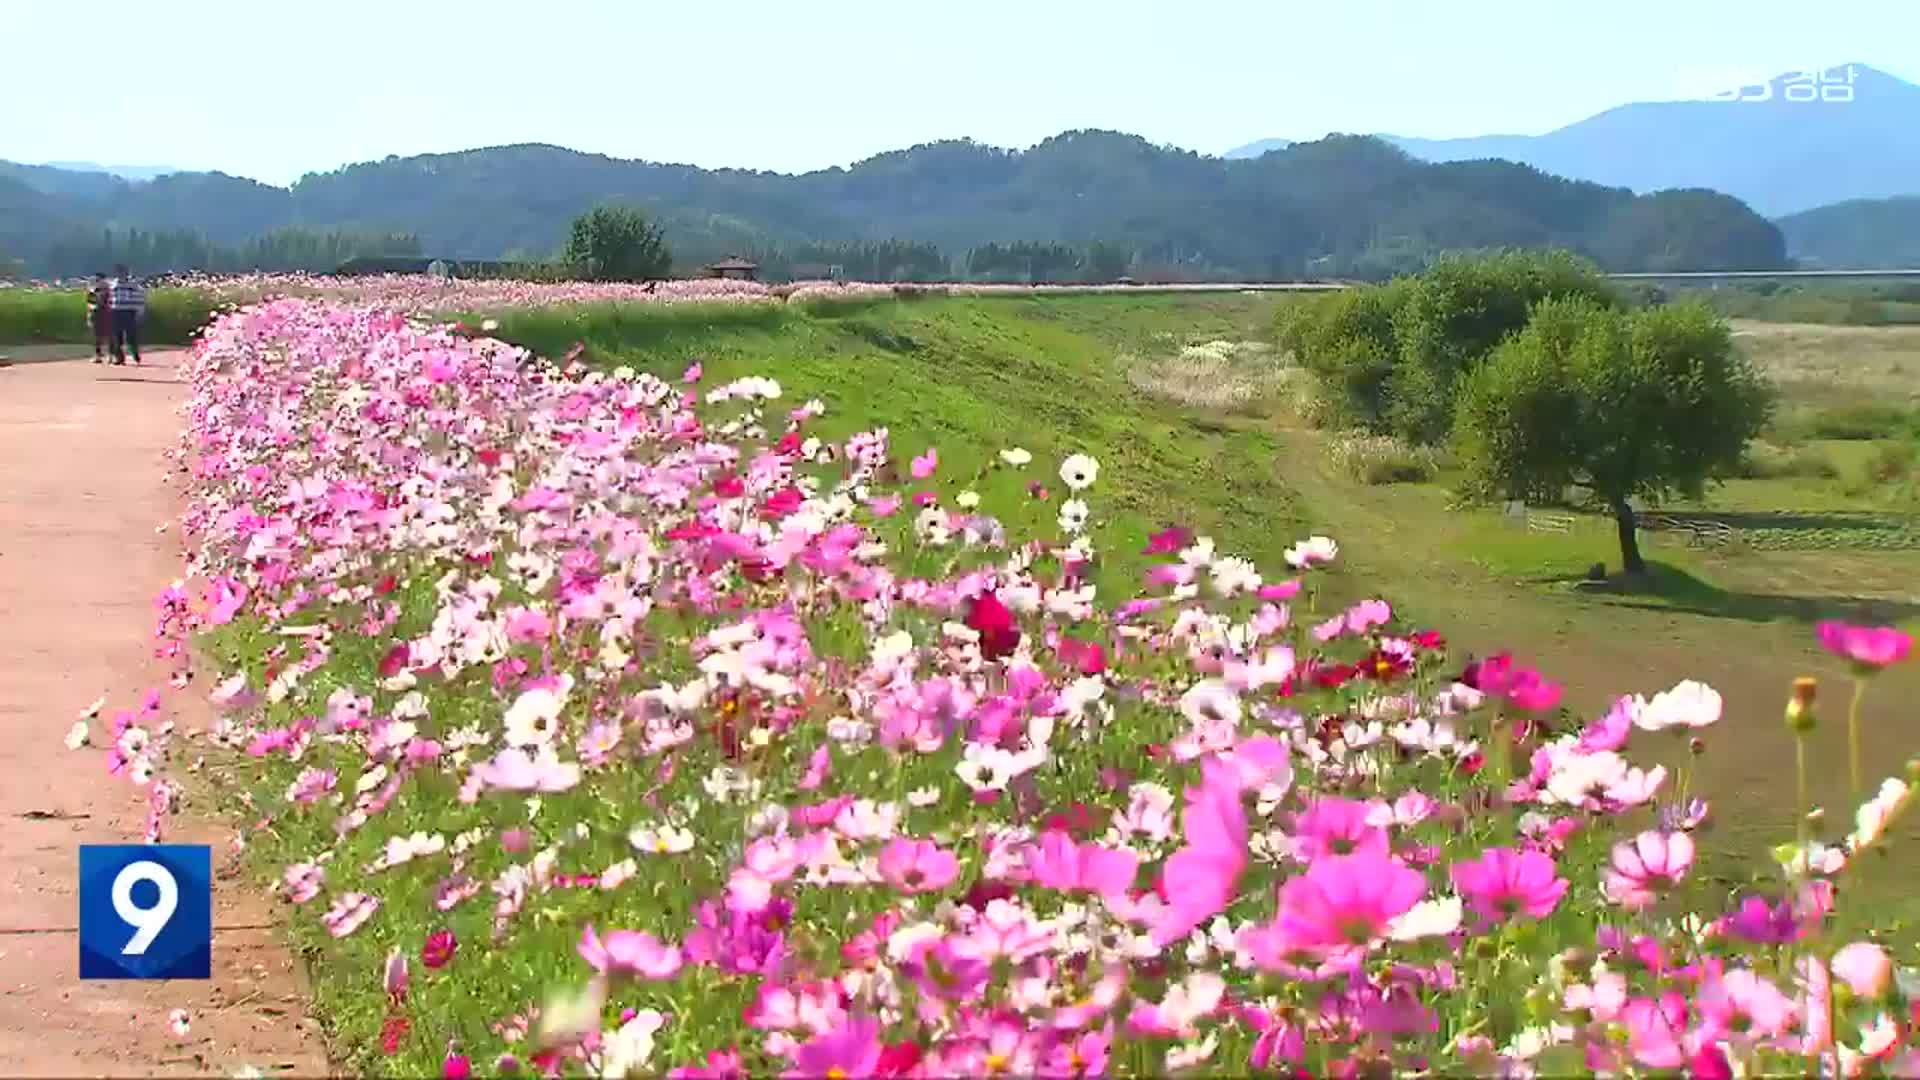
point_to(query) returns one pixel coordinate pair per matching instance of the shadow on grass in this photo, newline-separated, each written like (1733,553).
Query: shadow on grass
(1665,587)
(1795,520)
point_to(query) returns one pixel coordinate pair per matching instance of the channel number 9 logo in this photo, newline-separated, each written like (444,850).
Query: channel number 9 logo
(146,911)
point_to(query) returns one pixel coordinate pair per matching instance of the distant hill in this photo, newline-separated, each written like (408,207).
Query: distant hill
(1341,206)
(124,172)
(1255,149)
(1779,156)
(1861,233)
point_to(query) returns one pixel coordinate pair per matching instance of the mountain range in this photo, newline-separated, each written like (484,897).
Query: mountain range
(1649,186)
(1340,206)
(1775,152)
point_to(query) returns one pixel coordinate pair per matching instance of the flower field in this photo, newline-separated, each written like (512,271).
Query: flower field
(600,723)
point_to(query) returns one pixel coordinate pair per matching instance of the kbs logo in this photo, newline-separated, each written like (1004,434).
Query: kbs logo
(146,911)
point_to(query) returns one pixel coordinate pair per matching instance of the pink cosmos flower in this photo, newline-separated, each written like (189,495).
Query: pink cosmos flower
(397,975)
(1654,1029)
(851,1050)
(1503,883)
(516,770)
(1743,1002)
(1199,880)
(1057,862)
(1645,865)
(349,912)
(1530,690)
(303,881)
(1168,540)
(819,766)
(914,866)
(1868,648)
(1865,968)
(629,952)
(1334,826)
(924,465)
(1347,900)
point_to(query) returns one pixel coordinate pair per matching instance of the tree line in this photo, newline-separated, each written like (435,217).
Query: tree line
(620,243)
(159,251)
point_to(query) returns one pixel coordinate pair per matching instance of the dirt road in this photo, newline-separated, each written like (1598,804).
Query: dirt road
(81,496)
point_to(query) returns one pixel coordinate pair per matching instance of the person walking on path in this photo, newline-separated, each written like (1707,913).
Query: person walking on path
(100,315)
(129,309)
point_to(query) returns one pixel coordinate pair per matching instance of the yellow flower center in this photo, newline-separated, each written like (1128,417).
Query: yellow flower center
(997,1062)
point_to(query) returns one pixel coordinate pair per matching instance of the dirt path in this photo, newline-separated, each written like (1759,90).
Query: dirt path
(81,495)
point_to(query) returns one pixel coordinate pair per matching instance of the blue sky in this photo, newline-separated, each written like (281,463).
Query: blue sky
(271,90)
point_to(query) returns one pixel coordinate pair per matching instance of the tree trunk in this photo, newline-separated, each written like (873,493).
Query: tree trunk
(1623,520)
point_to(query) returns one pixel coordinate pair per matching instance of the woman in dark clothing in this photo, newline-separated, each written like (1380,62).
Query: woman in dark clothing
(100,315)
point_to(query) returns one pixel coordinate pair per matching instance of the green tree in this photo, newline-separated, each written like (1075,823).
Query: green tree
(1628,405)
(617,243)
(1456,311)
(1108,261)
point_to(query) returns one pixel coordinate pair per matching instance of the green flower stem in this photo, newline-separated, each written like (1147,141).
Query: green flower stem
(1853,735)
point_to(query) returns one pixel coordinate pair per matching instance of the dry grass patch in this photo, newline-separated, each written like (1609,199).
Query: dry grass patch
(1215,375)
(1823,360)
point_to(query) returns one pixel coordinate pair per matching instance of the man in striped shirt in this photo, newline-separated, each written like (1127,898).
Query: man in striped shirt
(129,309)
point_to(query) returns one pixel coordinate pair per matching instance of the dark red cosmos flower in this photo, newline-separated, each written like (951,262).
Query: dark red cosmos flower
(785,501)
(729,486)
(1386,666)
(1330,729)
(438,949)
(692,530)
(1168,540)
(387,585)
(395,661)
(1428,639)
(1086,657)
(789,445)
(989,618)
(897,1059)
(1079,820)
(1489,676)
(985,892)
(393,1033)
(1333,676)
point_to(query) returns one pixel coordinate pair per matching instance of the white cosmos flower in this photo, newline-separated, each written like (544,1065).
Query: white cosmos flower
(77,736)
(990,768)
(1016,457)
(1313,551)
(1689,704)
(665,840)
(534,716)
(1210,701)
(1234,575)
(1428,918)
(967,500)
(1073,515)
(1079,472)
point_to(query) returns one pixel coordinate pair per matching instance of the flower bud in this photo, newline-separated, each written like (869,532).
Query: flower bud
(1578,962)
(1800,706)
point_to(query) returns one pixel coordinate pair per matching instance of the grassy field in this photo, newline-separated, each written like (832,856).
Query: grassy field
(1195,420)
(48,317)
(1211,437)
